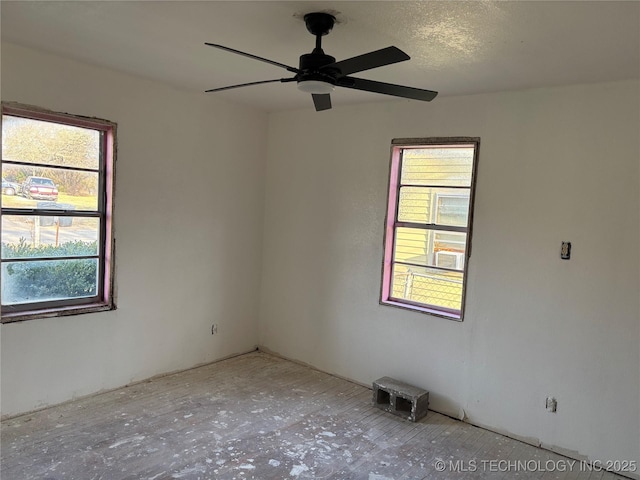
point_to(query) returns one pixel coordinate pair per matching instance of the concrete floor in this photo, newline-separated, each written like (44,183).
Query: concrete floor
(259,417)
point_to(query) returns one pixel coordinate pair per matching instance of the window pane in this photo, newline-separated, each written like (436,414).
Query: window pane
(448,246)
(441,206)
(437,166)
(37,141)
(72,189)
(413,245)
(427,286)
(430,248)
(452,209)
(49,236)
(39,281)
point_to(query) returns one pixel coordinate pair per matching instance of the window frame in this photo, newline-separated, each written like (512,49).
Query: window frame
(391,222)
(104,298)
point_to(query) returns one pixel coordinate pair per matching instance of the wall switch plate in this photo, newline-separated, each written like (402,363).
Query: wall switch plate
(551,405)
(565,251)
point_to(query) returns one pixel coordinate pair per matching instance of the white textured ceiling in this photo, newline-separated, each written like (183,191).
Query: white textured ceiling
(456,47)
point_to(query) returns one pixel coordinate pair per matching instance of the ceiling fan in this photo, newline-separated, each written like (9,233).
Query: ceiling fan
(318,73)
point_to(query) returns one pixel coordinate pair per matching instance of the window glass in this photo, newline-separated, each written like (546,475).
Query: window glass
(444,206)
(428,286)
(417,246)
(48,280)
(49,143)
(34,184)
(437,166)
(26,236)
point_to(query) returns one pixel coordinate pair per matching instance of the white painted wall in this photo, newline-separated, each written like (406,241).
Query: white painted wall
(188,220)
(555,164)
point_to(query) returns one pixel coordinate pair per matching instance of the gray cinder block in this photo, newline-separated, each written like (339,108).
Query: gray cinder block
(399,398)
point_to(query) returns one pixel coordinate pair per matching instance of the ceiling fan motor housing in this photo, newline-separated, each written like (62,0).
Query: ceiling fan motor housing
(310,64)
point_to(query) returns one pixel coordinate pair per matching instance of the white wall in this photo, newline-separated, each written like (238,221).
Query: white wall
(555,164)
(188,223)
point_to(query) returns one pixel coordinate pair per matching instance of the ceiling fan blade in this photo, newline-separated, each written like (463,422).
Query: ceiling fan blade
(367,61)
(250,83)
(255,57)
(321,101)
(387,89)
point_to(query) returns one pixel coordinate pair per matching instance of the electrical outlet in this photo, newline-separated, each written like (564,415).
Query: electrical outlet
(551,405)
(214,329)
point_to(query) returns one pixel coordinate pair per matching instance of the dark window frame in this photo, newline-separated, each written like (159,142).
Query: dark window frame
(104,298)
(392,223)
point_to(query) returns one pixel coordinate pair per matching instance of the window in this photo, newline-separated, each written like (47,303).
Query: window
(428,225)
(57,195)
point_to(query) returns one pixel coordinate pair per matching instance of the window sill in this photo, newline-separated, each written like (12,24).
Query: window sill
(456,316)
(22,316)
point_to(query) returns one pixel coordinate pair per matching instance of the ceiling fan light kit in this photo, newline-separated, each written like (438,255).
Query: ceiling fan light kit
(319,74)
(315,86)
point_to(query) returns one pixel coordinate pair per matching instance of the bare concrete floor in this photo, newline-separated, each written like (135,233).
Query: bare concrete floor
(259,417)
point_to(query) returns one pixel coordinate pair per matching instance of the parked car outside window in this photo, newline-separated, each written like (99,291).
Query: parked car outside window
(40,188)
(9,188)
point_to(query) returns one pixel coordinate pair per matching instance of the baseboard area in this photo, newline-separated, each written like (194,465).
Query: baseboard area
(131,384)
